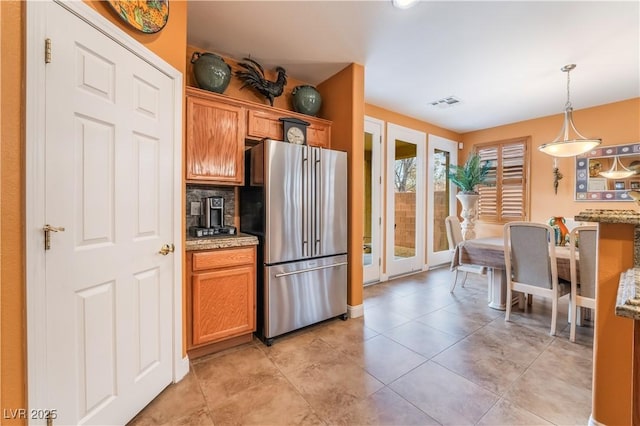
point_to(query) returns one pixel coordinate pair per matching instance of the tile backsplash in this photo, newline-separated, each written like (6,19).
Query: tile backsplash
(195,194)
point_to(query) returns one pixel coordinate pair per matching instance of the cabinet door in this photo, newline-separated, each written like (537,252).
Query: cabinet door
(261,124)
(223,304)
(215,141)
(319,134)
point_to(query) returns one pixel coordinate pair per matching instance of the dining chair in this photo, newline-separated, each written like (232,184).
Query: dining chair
(454,237)
(582,246)
(530,264)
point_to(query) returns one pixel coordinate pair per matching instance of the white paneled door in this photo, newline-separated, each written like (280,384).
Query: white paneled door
(405,200)
(441,197)
(109,171)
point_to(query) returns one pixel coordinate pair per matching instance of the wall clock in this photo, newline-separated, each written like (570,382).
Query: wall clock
(294,130)
(148,16)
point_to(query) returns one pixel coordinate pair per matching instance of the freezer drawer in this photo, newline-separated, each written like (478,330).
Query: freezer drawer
(302,293)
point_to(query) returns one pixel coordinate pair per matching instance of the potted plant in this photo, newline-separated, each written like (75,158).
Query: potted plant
(467,178)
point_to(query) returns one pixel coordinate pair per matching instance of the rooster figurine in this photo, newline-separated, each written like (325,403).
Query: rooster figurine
(253,76)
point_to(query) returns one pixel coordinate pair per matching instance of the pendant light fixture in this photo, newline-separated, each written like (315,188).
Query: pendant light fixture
(568,144)
(617,170)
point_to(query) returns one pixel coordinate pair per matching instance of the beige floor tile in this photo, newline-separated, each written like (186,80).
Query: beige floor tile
(227,374)
(567,361)
(494,358)
(319,375)
(476,308)
(198,418)
(305,350)
(551,398)
(508,413)
(452,322)
(384,407)
(443,395)
(329,387)
(380,319)
(421,338)
(275,402)
(385,359)
(338,333)
(176,401)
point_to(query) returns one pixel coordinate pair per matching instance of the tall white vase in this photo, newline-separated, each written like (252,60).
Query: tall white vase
(469,203)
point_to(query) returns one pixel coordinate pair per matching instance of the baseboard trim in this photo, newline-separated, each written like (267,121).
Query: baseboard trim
(180,369)
(355,311)
(594,422)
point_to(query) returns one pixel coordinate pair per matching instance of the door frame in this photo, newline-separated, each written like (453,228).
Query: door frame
(377,238)
(451,147)
(405,134)
(35,138)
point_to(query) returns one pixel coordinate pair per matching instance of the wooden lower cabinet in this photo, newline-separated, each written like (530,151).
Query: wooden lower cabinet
(222,302)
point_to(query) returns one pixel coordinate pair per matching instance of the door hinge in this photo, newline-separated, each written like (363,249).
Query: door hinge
(47,50)
(379,221)
(379,261)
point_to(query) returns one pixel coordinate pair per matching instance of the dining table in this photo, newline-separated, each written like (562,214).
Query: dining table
(489,252)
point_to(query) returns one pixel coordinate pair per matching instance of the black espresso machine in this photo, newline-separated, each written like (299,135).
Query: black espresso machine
(212,219)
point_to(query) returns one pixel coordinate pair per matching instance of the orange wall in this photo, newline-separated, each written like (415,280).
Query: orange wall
(170,44)
(616,123)
(343,103)
(12,297)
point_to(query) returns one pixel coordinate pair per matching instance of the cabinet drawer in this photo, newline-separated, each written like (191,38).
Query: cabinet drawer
(223,258)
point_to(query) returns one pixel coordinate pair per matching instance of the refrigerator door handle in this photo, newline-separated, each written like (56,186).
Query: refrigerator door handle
(305,201)
(317,202)
(317,268)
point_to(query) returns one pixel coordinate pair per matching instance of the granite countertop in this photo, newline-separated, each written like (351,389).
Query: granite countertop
(609,216)
(223,241)
(628,300)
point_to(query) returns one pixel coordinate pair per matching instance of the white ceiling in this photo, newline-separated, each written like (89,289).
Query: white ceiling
(501,59)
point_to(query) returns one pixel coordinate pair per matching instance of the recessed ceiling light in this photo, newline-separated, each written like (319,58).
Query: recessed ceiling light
(403,4)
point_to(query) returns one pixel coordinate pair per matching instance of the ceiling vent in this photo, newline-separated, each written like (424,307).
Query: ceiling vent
(447,102)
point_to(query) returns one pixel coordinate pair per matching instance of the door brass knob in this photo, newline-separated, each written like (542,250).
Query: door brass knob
(166,249)
(48,229)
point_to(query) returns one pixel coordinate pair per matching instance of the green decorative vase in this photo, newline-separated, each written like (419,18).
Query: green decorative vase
(306,100)
(211,71)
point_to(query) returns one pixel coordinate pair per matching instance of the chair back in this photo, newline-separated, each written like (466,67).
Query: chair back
(530,253)
(587,237)
(454,231)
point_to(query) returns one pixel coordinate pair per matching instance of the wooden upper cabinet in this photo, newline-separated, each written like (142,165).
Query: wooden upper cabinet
(215,139)
(262,123)
(319,134)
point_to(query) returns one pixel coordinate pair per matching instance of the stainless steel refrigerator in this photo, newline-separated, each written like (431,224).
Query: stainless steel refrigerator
(295,201)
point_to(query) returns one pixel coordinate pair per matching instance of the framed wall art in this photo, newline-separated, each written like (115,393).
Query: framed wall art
(592,185)
(147,16)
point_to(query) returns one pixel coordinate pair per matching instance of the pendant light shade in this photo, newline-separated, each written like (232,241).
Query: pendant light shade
(569,142)
(617,170)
